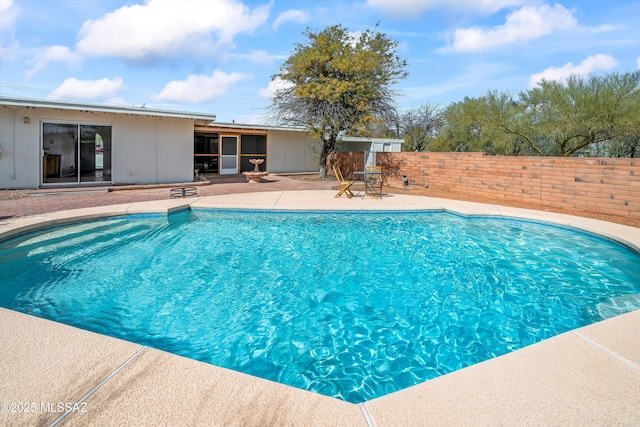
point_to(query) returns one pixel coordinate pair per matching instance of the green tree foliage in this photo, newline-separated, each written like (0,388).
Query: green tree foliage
(582,114)
(467,127)
(463,130)
(598,115)
(388,126)
(338,82)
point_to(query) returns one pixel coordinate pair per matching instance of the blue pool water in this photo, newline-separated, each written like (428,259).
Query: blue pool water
(350,305)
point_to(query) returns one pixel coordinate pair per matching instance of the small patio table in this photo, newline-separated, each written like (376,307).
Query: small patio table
(370,178)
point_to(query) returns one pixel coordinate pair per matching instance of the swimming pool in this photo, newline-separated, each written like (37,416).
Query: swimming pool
(353,306)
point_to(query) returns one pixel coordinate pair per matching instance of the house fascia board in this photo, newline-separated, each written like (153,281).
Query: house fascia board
(264,128)
(363,139)
(254,127)
(94,108)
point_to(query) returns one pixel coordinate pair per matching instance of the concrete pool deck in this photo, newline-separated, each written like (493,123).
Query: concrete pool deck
(588,376)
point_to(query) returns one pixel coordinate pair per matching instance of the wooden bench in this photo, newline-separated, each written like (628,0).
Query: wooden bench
(176,193)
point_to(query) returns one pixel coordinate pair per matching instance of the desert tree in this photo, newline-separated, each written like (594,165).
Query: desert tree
(419,126)
(465,128)
(337,83)
(594,115)
(584,113)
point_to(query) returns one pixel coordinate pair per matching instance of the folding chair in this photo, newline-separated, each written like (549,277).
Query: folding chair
(375,182)
(344,185)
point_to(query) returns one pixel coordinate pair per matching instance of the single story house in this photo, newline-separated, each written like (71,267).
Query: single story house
(49,143)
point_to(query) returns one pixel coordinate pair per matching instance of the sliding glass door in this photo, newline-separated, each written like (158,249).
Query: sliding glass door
(75,153)
(60,152)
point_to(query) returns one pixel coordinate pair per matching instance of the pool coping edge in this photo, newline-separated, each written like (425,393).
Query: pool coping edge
(386,408)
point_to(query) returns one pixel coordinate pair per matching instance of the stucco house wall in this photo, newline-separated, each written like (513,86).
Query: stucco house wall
(150,150)
(147,146)
(292,151)
(145,149)
(18,166)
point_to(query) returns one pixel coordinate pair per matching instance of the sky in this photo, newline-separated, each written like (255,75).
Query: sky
(219,56)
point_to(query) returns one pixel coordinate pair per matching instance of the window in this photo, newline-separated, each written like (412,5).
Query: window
(205,152)
(74,153)
(205,143)
(254,144)
(253,147)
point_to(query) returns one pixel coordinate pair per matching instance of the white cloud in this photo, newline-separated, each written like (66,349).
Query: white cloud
(9,47)
(116,100)
(259,57)
(8,15)
(590,65)
(414,8)
(291,15)
(200,88)
(52,54)
(274,86)
(525,24)
(354,38)
(164,28)
(604,28)
(9,53)
(250,119)
(86,89)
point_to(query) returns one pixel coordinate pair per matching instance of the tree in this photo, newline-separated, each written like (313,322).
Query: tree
(586,113)
(466,128)
(512,125)
(389,125)
(337,83)
(598,115)
(419,126)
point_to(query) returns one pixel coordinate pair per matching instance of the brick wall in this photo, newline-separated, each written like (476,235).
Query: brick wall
(347,161)
(598,185)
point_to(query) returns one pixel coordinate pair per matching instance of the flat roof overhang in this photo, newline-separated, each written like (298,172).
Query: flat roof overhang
(200,118)
(254,128)
(236,127)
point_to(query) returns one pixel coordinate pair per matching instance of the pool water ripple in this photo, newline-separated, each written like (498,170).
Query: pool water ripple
(351,305)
